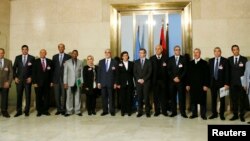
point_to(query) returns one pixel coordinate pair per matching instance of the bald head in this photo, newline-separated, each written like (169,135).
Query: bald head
(158,50)
(43,53)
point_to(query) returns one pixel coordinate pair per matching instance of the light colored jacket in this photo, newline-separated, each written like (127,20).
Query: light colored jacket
(71,73)
(246,78)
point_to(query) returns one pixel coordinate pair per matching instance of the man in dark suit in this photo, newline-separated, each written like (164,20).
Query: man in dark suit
(107,82)
(60,94)
(159,81)
(219,77)
(22,69)
(42,80)
(237,93)
(197,84)
(6,76)
(125,83)
(177,69)
(142,74)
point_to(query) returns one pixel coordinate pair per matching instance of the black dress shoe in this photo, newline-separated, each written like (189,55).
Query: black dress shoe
(148,115)
(94,113)
(89,113)
(112,114)
(222,117)
(248,122)
(242,119)
(104,114)
(122,114)
(139,115)
(213,116)
(26,114)
(129,114)
(234,118)
(38,114)
(46,113)
(57,113)
(6,114)
(80,114)
(18,114)
(173,115)
(157,114)
(165,114)
(63,113)
(204,117)
(184,115)
(67,115)
(193,116)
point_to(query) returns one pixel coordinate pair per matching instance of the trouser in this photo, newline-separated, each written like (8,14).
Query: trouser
(60,97)
(108,100)
(42,98)
(73,100)
(20,87)
(160,97)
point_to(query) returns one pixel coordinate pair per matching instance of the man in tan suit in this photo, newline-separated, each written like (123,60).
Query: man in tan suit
(6,75)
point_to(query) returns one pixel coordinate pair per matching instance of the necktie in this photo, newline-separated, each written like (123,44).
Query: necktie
(107,65)
(43,65)
(1,64)
(176,60)
(24,60)
(142,63)
(216,69)
(60,59)
(236,61)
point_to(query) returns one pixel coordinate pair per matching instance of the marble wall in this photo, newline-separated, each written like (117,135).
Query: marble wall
(85,25)
(4,25)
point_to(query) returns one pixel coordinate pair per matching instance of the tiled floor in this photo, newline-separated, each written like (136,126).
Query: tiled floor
(97,128)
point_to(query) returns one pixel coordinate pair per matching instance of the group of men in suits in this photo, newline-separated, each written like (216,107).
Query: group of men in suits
(170,78)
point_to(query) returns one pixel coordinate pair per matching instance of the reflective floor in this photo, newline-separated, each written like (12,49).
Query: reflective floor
(107,128)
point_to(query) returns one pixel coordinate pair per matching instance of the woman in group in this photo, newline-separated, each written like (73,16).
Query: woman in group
(125,83)
(90,85)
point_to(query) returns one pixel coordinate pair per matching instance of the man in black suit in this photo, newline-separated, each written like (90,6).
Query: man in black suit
(22,69)
(159,81)
(142,74)
(219,77)
(42,80)
(177,69)
(60,94)
(107,82)
(237,93)
(125,83)
(197,84)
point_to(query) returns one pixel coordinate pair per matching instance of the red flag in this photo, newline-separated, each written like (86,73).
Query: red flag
(162,41)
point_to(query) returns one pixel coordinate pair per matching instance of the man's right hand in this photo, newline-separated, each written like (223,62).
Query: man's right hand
(187,88)
(99,86)
(35,85)
(65,86)
(17,80)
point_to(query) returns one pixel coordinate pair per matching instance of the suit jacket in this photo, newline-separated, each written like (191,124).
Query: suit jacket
(6,72)
(223,72)
(71,73)
(40,77)
(179,70)
(142,73)
(159,71)
(89,77)
(59,69)
(21,71)
(236,71)
(125,76)
(246,78)
(197,77)
(107,79)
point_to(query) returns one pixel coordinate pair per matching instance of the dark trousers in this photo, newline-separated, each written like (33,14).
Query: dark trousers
(160,97)
(126,99)
(178,89)
(42,98)
(203,109)
(60,97)
(91,100)
(4,99)
(238,96)
(143,98)
(20,87)
(214,94)
(108,100)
